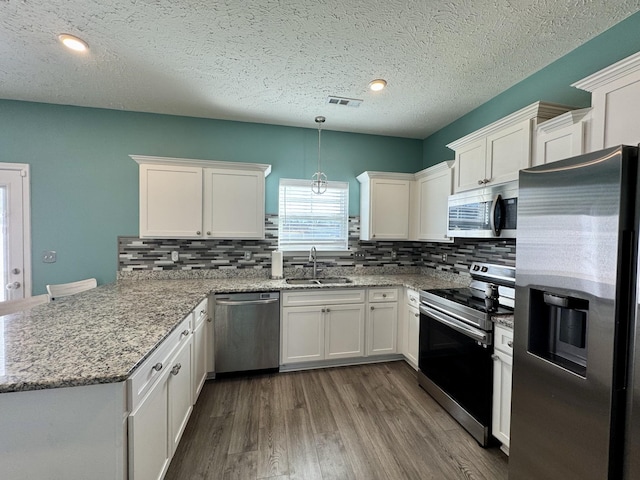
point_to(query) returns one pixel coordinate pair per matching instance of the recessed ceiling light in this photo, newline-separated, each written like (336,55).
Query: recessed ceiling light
(74,43)
(377,85)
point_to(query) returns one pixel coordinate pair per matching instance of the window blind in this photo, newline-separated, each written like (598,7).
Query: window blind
(309,220)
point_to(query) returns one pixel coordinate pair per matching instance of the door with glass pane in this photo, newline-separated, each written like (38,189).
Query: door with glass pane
(14,226)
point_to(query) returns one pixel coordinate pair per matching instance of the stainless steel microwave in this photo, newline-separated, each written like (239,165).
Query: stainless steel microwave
(488,212)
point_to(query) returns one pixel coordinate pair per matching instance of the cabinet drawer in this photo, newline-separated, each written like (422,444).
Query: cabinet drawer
(383,294)
(200,313)
(146,374)
(322,297)
(503,339)
(412,297)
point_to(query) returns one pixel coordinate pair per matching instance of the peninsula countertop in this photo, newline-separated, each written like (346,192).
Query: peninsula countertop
(102,335)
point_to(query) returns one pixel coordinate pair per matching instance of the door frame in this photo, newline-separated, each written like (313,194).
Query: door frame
(24,170)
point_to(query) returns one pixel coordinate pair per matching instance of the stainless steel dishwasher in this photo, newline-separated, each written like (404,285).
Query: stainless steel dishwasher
(246,331)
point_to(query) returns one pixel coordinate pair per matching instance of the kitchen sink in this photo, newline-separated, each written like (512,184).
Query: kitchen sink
(333,280)
(317,281)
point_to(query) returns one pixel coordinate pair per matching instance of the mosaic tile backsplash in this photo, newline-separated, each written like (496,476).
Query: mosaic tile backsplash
(253,257)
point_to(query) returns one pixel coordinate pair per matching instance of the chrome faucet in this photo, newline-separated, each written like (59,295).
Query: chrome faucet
(313,254)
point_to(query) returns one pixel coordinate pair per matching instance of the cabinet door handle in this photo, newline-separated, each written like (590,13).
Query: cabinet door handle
(185,332)
(157,367)
(176,368)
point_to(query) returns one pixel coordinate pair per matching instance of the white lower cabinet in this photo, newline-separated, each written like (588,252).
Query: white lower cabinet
(199,360)
(302,334)
(382,328)
(409,327)
(326,325)
(502,366)
(344,331)
(179,392)
(149,452)
(161,395)
(382,321)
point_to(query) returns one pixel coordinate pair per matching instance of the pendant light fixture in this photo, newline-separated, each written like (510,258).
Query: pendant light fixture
(319,179)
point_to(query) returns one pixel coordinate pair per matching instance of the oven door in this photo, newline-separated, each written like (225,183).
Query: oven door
(457,370)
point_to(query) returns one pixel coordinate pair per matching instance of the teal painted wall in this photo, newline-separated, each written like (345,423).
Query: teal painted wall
(84,186)
(551,84)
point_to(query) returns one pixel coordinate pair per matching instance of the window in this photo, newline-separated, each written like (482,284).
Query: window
(308,220)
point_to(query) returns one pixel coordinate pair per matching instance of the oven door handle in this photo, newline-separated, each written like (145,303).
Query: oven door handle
(478,335)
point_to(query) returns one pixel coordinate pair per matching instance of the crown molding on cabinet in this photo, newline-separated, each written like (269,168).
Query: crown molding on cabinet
(609,74)
(565,120)
(191,162)
(538,110)
(437,168)
(366,176)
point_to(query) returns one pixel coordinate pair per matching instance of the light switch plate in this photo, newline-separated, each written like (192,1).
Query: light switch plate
(49,256)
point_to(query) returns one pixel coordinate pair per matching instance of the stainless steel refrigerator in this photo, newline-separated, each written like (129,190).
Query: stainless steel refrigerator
(574,415)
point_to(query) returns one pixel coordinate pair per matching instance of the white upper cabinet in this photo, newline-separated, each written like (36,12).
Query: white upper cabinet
(185,198)
(561,137)
(433,186)
(615,99)
(170,201)
(233,203)
(495,154)
(385,200)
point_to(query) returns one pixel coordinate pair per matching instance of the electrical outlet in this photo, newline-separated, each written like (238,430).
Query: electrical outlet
(359,255)
(394,254)
(247,255)
(444,257)
(175,256)
(49,256)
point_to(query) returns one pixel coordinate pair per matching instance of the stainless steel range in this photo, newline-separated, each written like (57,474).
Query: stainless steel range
(456,344)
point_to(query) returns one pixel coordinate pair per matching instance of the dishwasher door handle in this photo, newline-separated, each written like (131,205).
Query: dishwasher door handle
(246,302)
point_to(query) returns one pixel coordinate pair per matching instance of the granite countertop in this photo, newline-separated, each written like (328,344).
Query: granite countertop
(104,334)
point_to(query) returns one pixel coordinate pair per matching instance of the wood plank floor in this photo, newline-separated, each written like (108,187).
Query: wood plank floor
(364,422)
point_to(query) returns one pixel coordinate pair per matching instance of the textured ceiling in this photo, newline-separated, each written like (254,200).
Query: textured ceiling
(276,61)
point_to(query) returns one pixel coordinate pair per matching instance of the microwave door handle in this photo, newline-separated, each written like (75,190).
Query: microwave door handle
(496,219)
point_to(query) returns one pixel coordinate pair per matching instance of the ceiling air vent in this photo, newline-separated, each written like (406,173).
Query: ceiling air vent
(347,102)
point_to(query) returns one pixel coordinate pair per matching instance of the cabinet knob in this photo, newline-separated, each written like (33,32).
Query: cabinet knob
(510,344)
(198,232)
(157,367)
(209,233)
(480,182)
(495,357)
(13,285)
(185,332)
(486,180)
(328,310)
(384,295)
(372,308)
(176,368)
(416,314)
